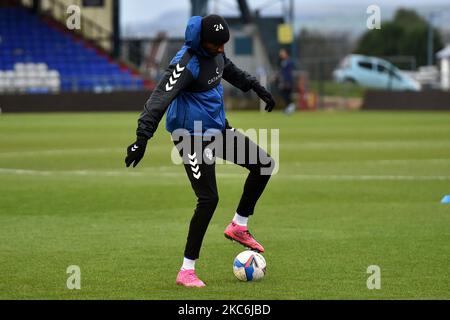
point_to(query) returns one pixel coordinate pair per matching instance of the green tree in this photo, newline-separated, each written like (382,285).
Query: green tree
(405,35)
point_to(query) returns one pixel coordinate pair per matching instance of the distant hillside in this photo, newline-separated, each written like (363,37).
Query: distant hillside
(352,18)
(173,22)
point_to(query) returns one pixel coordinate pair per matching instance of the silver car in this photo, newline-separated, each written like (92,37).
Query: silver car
(373,72)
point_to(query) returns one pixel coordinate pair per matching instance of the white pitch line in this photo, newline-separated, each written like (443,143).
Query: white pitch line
(56,152)
(156,172)
(358,162)
(105,173)
(365,145)
(367,177)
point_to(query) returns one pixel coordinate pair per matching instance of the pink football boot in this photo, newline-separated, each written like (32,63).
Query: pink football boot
(242,235)
(188,278)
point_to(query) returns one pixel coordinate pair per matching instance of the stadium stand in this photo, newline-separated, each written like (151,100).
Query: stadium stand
(37,57)
(30,78)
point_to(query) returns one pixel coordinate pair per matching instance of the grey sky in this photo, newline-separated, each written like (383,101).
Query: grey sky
(145,18)
(148,10)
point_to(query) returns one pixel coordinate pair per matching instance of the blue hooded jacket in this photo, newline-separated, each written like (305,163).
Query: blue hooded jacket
(189,106)
(191,89)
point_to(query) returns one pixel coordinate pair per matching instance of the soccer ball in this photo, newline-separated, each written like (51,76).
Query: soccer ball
(249,266)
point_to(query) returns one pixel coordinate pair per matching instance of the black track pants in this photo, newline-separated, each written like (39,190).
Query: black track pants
(199,159)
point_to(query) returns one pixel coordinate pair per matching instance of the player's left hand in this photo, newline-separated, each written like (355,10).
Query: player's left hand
(135,152)
(265,96)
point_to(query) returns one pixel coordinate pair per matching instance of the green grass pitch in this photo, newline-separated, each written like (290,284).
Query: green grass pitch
(354,189)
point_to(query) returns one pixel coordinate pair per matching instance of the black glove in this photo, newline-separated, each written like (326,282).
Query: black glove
(136,151)
(265,96)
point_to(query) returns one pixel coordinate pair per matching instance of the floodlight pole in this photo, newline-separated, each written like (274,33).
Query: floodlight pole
(199,7)
(116,44)
(36,6)
(292,22)
(430,39)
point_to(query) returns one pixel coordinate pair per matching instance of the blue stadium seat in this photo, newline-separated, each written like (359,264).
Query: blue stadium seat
(25,38)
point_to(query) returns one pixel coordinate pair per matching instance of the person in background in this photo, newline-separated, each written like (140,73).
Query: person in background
(285,80)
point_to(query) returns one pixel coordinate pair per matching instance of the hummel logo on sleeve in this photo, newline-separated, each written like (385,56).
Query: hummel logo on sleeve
(174,77)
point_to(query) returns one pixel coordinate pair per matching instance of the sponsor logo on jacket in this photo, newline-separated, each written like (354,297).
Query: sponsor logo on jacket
(216,77)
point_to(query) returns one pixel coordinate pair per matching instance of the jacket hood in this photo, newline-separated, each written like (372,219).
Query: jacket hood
(192,36)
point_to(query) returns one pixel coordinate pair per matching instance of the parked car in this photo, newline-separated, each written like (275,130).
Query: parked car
(373,72)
